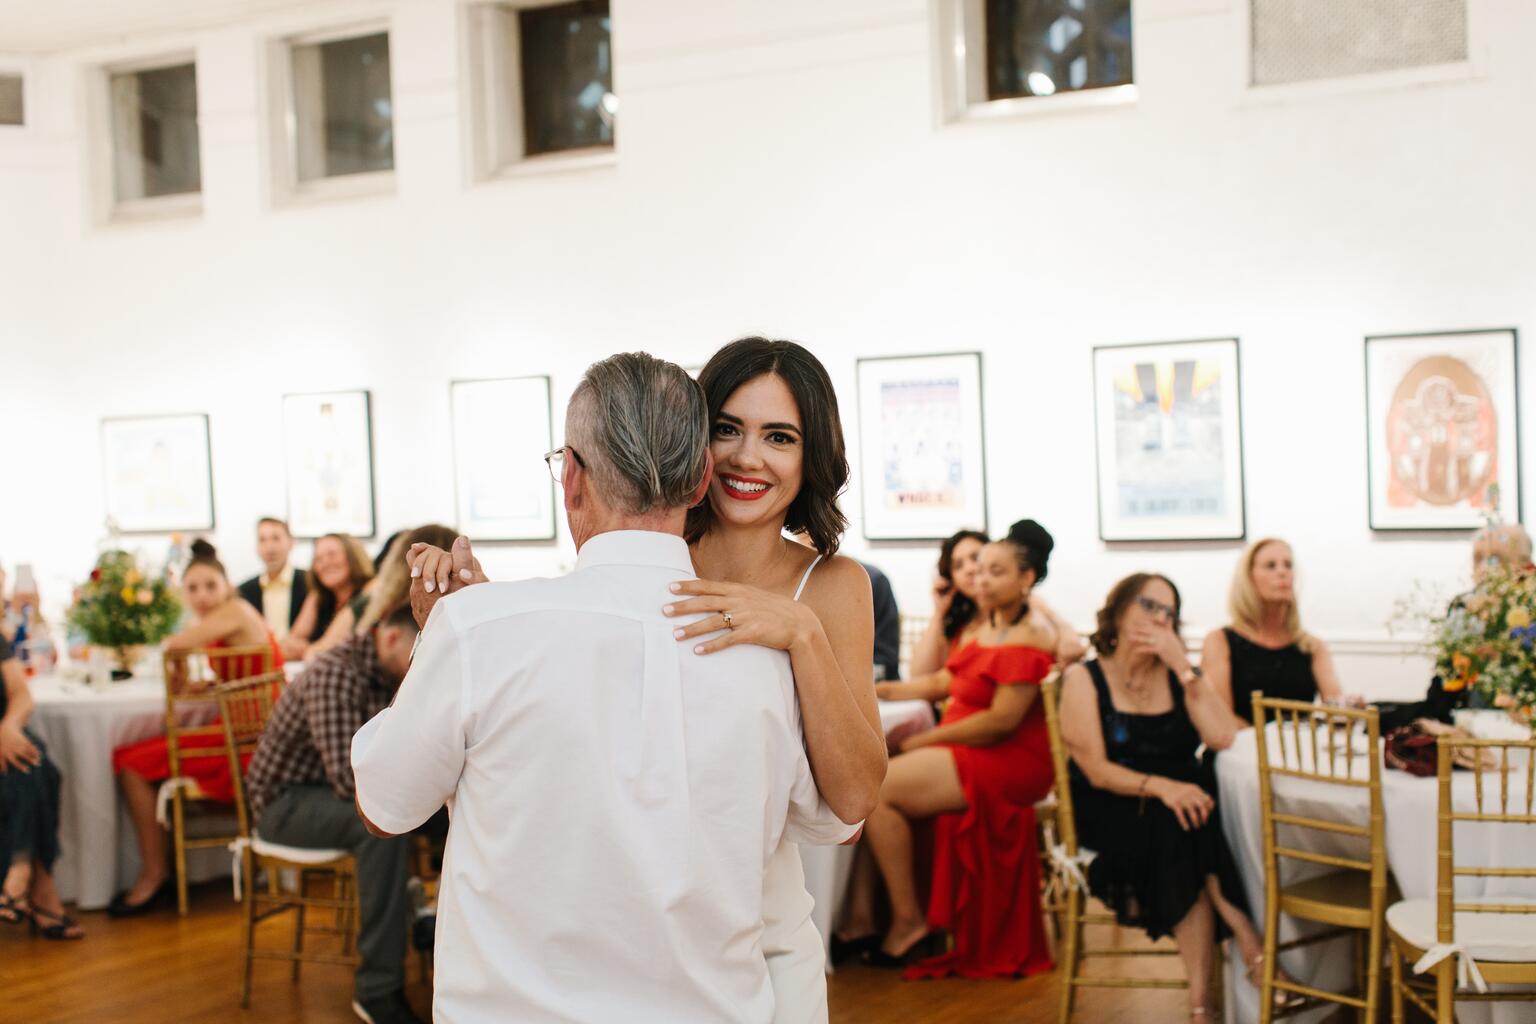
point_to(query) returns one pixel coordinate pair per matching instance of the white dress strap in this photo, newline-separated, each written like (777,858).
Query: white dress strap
(807,577)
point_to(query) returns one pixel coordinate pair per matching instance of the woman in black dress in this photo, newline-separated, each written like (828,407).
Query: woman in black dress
(29,813)
(1132,720)
(1265,650)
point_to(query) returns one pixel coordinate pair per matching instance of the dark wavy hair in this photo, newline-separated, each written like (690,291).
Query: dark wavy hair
(1107,636)
(824,472)
(961,608)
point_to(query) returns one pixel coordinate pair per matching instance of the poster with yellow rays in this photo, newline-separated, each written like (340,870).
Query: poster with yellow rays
(1169,434)
(922,466)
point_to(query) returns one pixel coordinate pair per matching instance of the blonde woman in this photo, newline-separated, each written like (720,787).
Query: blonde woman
(392,586)
(1264,649)
(339,574)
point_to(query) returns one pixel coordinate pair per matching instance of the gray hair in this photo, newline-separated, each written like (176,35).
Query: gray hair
(643,429)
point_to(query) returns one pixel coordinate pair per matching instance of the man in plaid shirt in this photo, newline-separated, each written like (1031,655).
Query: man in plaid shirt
(302,794)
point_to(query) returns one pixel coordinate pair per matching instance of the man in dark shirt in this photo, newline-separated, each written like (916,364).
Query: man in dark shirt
(887,625)
(302,794)
(279,591)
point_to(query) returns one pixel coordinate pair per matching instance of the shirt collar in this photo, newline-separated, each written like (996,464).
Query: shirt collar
(636,547)
(282,577)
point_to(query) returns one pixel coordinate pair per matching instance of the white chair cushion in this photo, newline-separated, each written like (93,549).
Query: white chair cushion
(1493,938)
(295,854)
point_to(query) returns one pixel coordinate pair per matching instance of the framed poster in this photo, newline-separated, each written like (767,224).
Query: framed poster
(1442,429)
(921,453)
(1169,432)
(158,473)
(328,460)
(501,432)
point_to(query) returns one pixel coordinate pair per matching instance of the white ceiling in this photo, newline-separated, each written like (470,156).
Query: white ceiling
(45,26)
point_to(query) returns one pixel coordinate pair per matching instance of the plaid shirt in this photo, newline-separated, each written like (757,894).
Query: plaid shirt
(308,740)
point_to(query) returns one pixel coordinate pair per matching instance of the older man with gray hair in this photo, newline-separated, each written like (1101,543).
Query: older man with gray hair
(614,796)
(1506,545)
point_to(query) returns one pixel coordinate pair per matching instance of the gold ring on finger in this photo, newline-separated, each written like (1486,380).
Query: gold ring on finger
(729,622)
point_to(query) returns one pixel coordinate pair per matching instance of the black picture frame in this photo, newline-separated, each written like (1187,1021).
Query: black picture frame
(303,523)
(1180,529)
(879,528)
(1511,499)
(120,506)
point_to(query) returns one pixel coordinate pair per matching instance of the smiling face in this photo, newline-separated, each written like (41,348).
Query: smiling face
(1000,583)
(205,589)
(758,447)
(1274,574)
(330,563)
(963,562)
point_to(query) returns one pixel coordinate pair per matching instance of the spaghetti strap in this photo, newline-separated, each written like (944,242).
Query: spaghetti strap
(807,577)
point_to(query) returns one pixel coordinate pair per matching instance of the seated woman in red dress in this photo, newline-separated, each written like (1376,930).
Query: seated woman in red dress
(222,619)
(981,771)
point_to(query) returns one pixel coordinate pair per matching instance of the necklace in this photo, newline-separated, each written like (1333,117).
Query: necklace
(1023,611)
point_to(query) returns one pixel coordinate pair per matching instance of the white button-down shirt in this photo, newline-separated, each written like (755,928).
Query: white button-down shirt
(615,798)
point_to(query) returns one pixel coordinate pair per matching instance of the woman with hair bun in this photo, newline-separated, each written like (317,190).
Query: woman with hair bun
(981,771)
(221,618)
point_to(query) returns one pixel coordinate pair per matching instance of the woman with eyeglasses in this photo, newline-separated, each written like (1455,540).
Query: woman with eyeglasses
(1264,650)
(1132,720)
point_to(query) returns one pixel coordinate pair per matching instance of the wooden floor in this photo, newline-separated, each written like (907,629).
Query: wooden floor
(167,968)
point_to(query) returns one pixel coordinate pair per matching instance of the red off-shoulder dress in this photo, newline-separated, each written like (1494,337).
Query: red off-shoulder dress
(986,875)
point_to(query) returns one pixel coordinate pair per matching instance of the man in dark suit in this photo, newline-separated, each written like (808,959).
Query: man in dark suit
(279,592)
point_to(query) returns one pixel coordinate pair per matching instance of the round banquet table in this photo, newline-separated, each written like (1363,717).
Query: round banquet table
(1411,807)
(827,868)
(82,726)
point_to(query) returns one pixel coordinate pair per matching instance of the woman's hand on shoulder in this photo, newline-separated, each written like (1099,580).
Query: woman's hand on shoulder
(748,615)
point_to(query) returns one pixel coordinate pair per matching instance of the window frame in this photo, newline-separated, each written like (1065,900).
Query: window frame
(488,155)
(110,209)
(958,31)
(1473,68)
(286,188)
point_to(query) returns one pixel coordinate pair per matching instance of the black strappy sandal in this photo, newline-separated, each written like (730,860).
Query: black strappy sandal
(59,928)
(12,909)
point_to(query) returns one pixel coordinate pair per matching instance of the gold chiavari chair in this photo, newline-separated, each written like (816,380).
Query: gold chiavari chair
(245,707)
(1466,944)
(1067,865)
(189,682)
(1316,744)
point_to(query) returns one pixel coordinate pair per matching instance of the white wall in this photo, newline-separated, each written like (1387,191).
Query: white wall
(780,172)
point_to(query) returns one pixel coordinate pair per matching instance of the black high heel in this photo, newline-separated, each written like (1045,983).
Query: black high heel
(12,909)
(929,945)
(120,907)
(842,949)
(58,930)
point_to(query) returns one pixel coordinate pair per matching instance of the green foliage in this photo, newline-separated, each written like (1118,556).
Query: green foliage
(119,606)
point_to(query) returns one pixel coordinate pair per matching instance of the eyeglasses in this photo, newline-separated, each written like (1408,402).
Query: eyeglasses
(555,460)
(1152,607)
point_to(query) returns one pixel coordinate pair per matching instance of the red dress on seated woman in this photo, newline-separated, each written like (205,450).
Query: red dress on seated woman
(151,759)
(986,872)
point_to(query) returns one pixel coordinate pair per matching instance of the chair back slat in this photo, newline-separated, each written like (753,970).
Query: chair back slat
(1066,817)
(245,707)
(1486,757)
(1315,744)
(190,680)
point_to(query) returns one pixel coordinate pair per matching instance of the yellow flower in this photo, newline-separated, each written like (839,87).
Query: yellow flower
(1518,618)
(127,595)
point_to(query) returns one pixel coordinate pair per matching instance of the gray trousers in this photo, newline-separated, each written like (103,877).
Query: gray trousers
(316,818)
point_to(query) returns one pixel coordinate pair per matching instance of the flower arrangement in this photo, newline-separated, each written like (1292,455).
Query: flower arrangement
(1486,640)
(121,607)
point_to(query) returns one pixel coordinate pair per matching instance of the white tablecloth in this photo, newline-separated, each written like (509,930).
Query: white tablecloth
(81,728)
(827,867)
(1411,807)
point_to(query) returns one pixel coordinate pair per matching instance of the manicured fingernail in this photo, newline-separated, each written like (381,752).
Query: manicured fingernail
(677,588)
(666,609)
(415,571)
(431,586)
(466,575)
(699,649)
(678,632)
